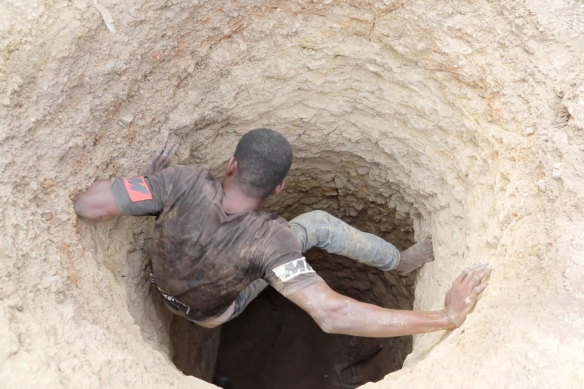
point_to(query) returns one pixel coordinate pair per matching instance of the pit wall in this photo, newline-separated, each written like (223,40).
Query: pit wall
(466,117)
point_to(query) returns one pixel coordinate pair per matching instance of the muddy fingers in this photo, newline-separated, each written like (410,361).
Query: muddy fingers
(161,159)
(476,274)
(169,150)
(158,152)
(464,294)
(479,289)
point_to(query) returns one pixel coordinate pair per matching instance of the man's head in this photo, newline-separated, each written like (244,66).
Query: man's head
(263,159)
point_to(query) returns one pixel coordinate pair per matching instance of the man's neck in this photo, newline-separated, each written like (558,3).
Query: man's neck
(235,200)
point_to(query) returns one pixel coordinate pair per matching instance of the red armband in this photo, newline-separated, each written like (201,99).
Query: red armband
(137,189)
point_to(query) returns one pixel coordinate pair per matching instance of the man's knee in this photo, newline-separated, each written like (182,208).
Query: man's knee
(315,228)
(303,227)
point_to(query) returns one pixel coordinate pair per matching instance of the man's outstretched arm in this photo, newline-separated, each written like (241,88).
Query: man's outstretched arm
(338,314)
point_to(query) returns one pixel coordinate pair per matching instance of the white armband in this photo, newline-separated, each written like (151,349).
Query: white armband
(292,269)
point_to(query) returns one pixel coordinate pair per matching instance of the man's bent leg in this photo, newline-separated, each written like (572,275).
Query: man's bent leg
(320,229)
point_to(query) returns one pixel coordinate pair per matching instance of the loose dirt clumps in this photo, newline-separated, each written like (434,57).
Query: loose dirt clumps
(463,121)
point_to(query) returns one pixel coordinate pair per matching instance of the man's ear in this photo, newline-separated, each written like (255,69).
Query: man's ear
(231,167)
(279,188)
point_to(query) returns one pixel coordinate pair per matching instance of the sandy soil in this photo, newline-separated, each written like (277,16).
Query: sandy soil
(467,117)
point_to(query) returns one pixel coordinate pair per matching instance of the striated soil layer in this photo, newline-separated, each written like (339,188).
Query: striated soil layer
(463,121)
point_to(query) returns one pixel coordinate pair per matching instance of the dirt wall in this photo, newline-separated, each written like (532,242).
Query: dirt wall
(466,117)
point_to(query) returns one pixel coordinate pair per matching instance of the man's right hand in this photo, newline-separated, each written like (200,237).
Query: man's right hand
(161,159)
(464,294)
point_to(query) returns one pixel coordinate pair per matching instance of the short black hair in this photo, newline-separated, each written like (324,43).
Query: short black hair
(263,159)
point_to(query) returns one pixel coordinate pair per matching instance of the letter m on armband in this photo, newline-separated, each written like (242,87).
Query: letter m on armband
(137,189)
(292,269)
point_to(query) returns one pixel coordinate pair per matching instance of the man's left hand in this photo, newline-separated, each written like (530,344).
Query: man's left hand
(161,159)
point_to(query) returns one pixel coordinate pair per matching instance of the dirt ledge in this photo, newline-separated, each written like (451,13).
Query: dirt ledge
(467,117)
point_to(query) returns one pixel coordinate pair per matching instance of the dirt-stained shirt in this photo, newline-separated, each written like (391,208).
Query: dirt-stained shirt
(203,256)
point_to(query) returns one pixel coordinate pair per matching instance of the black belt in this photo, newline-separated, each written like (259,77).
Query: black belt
(174,303)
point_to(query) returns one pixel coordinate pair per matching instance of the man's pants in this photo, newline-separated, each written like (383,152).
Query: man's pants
(318,228)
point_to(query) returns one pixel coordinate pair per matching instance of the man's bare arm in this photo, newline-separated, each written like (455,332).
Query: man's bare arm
(338,314)
(97,202)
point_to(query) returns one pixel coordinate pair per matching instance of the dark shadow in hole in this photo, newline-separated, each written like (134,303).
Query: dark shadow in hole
(194,348)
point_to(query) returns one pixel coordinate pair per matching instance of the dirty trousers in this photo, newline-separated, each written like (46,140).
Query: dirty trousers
(320,229)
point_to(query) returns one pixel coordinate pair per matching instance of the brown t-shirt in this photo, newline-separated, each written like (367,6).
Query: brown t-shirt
(203,256)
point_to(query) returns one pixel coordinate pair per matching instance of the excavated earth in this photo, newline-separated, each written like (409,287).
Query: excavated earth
(460,121)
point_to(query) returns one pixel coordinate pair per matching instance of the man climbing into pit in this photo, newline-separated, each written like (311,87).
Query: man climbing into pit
(213,252)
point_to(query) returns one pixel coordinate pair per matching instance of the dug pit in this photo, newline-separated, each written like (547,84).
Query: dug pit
(457,120)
